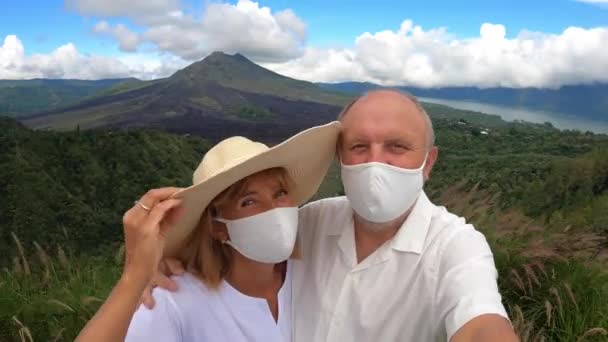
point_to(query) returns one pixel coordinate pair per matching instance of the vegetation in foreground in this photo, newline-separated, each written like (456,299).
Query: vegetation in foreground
(539,195)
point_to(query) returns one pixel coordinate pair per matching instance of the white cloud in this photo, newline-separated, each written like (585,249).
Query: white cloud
(413,56)
(128,41)
(67,62)
(407,55)
(599,3)
(245,27)
(121,8)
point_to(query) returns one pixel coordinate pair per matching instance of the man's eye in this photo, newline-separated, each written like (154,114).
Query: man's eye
(357,147)
(399,147)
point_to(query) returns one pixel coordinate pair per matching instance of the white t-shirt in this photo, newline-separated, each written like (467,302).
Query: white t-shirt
(197,313)
(435,275)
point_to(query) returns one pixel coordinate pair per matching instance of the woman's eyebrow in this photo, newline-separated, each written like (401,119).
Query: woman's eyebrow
(249,193)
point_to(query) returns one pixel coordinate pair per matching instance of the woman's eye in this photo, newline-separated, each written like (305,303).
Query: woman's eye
(247,202)
(282,193)
(357,147)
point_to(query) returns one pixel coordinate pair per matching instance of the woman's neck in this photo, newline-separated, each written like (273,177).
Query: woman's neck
(254,278)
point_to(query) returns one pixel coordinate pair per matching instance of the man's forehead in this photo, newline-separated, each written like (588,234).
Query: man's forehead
(384,115)
(382,105)
(385,98)
(378,114)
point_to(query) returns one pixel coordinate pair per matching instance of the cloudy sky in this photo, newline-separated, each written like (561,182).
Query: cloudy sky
(538,43)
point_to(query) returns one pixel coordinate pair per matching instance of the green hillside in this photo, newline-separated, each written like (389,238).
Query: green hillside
(540,196)
(23,97)
(70,188)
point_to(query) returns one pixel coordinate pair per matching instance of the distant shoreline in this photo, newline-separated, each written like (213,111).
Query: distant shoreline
(558,120)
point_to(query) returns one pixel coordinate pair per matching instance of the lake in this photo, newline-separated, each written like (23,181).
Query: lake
(560,121)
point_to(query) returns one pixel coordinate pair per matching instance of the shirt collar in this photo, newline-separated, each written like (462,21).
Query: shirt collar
(412,233)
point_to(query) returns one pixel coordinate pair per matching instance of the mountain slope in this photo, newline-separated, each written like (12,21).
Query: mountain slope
(218,96)
(237,72)
(22,97)
(589,101)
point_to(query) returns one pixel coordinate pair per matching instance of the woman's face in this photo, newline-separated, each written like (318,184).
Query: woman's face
(262,192)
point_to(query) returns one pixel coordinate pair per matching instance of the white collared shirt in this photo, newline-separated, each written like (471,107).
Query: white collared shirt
(435,275)
(198,313)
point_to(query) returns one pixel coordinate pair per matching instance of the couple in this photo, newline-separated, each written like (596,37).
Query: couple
(381,264)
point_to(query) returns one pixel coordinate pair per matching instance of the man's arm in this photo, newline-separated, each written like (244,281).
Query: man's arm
(490,327)
(468,300)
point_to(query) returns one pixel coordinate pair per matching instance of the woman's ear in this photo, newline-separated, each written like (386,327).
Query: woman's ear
(219,231)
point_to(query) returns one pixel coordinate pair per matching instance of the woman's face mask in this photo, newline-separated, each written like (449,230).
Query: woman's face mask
(268,237)
(264,220)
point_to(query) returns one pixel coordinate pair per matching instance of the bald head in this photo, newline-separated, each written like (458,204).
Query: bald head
(396,101)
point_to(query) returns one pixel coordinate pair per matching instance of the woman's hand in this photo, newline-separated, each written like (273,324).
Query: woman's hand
(145,227)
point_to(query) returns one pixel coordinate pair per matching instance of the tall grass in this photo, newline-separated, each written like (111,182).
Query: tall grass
(54,300)
(548,299)
(551,285)
(555,300)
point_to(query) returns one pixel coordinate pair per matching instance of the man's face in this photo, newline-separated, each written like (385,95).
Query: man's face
(386,127)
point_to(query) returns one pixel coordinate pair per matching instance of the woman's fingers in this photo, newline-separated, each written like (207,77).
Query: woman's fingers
(137,213)
(157,214)
(157,195)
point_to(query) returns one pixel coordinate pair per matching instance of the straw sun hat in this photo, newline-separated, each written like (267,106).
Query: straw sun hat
(306,157)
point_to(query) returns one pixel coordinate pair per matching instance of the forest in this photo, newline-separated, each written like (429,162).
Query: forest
(540,196)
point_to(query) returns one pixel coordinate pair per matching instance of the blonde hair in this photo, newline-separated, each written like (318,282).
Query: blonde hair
(206,257)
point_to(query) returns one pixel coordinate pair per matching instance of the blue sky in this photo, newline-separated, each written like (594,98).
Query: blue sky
(340,21)
(45,24)
(314,29)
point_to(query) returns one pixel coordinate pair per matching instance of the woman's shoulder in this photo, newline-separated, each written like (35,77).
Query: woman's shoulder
(189,288)
(172,316)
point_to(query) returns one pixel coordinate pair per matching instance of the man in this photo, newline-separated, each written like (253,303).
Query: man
(384,263)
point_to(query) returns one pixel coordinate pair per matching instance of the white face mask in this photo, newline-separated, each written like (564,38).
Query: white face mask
(380,192)
(268,237)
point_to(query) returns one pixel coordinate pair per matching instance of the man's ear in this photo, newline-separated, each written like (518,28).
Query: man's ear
(430,162)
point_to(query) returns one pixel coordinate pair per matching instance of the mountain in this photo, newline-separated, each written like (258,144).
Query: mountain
(588,101)
(238,72)
(22,97)
(219,96)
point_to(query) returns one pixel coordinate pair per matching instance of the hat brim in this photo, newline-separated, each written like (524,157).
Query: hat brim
(306,156)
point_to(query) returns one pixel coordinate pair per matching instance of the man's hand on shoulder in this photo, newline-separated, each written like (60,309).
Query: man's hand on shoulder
(167,268)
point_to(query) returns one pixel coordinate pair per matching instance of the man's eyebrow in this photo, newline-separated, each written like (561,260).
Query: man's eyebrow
(357,139)
(404,140)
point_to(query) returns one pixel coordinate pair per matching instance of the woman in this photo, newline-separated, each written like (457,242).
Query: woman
(234,229)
